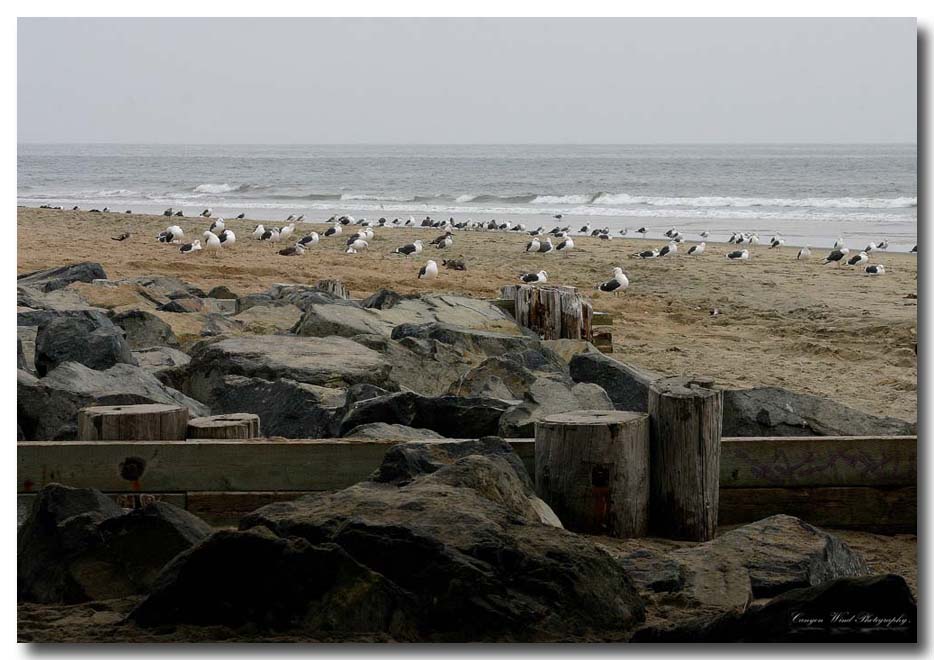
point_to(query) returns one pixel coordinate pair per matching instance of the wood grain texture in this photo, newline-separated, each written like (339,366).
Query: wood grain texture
(592,468)
(554,312)
(686,423)
(884,510)
(235,426)
(150,421)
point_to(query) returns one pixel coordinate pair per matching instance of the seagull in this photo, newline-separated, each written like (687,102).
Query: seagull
(585,229)
(122,237)
(530,278)
(914,249)
(334,230)
(241,216)
(357,245)
(168,212)
(188,248)
(619,282)
(227,238)
(869,248)
(206,213)
(671,248)
(804,253)
(179,214)
(411,248)
(270,235)
(566,244)
(642,230)
(858,260)
(533,245)
(218,226)
(623,231)
(311,239)
(697,250)
(838,244)
(877,269)
(883,245)
(705,233)
(211,242)
(546,247)
(738,255)
(777,241)
(836,255)
(288,230)
(428,271)
(647,254)
(296,250)
(258,232)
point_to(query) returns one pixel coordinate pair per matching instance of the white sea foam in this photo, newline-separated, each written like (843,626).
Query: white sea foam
(215,188)
(622,199)
(562,199)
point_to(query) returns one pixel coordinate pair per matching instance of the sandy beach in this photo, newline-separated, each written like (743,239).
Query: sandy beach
(824,330)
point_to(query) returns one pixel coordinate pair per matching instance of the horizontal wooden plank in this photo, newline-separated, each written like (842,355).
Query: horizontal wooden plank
(602,318)
(226,509)
(884,510)
(818,461)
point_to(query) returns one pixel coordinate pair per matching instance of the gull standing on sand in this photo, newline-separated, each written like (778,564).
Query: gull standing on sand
(738,255)
(642,230)
(877,269)
(705,233)
(287,231)
(565,245)
(211,242)
(777,241)
(532,278)
(804,253)
(671,248)
(836,255)
(428,271)
(270,235)
(217,227)
(619,282)
(858,260)
(258,232)
(227,238)
(334,230)
(357,245)
(311,239)
(697,250)
(533,245)
(546,247)
(206,213)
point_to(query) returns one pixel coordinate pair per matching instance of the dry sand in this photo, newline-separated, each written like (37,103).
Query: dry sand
(824,330)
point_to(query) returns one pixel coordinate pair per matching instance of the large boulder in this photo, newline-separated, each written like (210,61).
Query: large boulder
(285,407)
(774,411)
(144,329)
(878,608)
(159,359)
(78,545)
(425,366)
(455,555)
(329,362)
(47,408)
(383,431)
(21,362)
(479,342)
(166,286)
(627,386)
(268,319)
(91,340)
(447,309)
(451,416)
(51,279)
(341,321)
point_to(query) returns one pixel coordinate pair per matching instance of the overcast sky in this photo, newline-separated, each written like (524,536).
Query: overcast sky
(466,80)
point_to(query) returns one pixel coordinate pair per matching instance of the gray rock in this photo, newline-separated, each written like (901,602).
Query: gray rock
(268,319)
(222,292)
(285,407)
(93,341)
(60,277)
(451,416)
(38,317)
(160,358)
(425,366)
(167,286)
(463,543)
(627,386)
(383,431)
(144,329)
(329,362)
(341,321)
(21,362)
(773,411)
(47,408)
(77,545)
(384,299)
(303,296)
(216,325)
(465,339)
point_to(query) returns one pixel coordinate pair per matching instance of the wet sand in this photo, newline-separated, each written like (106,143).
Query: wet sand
(824,330)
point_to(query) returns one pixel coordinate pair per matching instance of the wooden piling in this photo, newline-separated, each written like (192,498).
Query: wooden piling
(686,422)
(592,468)
(149,421)
(554,312)
(334,287)
(234,426)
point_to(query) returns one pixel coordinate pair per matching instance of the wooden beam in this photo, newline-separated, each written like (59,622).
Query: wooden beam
(602,318)
(884,510)
(819,461)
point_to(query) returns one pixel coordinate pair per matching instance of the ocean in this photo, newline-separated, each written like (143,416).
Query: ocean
(811,194)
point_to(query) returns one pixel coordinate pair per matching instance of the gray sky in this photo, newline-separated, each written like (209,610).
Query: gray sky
(466,80)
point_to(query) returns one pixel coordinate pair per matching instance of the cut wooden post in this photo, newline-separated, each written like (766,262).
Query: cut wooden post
(686,422)
(235,426)
(335,287)
(592,468)
(554,312)
(148,421)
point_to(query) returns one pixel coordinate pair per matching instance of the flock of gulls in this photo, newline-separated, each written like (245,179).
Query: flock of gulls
(356,235)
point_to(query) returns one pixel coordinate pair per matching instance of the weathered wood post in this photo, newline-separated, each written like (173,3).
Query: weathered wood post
(334,287)
(234,426)
(554,312)
(686,422)
(148,421)
(592,468)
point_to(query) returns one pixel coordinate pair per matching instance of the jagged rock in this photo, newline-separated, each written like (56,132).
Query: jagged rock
(21,362)
(383,431)
(222,292)
(568,348)
(468,341)
(160,358)
(77,545)
(93,341)
(47,408)
(451,416)
(462,543)
(451,310)
(329,362)
(774,411)
(167,286)
(341,321)
(144,329)
(303,296)
(249,300)
(627,386)
(218,324)
(268,319)
(291,583)
(425,366)
(38,317)
(188,304)
(383,299)
(879,608)
(26,334)
(285,407)
(60,277)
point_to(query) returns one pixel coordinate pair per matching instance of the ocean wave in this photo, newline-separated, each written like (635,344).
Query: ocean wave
(565,199)
(623,199)
(219,188)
